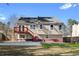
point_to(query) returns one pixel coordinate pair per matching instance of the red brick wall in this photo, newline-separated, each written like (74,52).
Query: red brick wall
(53,40)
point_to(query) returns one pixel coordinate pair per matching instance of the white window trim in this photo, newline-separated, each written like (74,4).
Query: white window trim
(32,26)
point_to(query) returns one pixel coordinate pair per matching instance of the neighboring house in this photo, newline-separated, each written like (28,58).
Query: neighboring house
(66,34)
(5,32)
(45,29)
(2,31)
(75,32)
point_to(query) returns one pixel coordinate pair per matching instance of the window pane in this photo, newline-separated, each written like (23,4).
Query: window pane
(60,27)
(41,26)
(23,28)
(32,26)
(46,36)
(51,27)
(19,27)
(22,36)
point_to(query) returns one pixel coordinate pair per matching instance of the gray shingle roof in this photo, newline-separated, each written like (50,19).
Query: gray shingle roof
(42,19)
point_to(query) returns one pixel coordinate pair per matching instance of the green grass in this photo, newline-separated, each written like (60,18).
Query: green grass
(72,44)
(46,45)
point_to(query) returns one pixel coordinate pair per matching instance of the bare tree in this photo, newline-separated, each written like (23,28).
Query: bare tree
(12,20)
(10,25)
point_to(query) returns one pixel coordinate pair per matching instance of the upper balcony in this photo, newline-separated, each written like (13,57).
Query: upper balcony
(20,29)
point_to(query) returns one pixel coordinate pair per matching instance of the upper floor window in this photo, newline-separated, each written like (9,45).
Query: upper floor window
(51,26)
(60,27)
(21,27)
(32,26)
(41,26)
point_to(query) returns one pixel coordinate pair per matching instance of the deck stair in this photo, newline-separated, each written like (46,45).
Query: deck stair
(34,34)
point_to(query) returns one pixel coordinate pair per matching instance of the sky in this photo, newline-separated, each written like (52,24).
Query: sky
(63,11)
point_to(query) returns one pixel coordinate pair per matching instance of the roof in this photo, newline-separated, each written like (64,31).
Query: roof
(41,19)
(1,23)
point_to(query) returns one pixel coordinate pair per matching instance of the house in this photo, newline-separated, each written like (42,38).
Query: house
(75,32)
(66,34)
(5,32)
(2,31)
(72,36)
(45,29)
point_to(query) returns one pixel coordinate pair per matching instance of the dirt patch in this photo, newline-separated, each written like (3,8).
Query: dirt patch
(37,51)
(52,51)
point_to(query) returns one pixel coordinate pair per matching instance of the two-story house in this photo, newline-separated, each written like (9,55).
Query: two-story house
(45,29)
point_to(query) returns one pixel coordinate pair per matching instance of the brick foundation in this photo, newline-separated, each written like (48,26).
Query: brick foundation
(53,40)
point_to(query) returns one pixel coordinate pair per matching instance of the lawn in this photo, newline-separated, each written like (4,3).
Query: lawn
(53,49)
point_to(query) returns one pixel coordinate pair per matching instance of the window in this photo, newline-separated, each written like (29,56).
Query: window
(60,27)
(51,26)
(46,36)
(21,27)
(32,26)
(22,36)
(41,26)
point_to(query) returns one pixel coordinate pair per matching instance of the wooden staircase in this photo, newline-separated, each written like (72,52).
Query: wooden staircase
(34,34)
